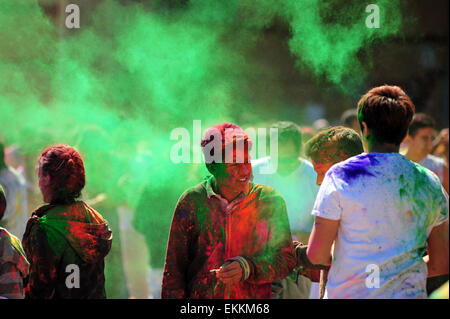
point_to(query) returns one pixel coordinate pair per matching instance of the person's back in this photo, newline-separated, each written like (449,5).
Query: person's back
(382,211)
(63,242)
(388,207)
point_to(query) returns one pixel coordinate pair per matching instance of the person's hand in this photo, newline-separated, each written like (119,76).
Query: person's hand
(230,273)
(444,136)
(296,243)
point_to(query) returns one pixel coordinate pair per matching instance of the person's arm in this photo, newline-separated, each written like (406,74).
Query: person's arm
(445,177)
(174,281)
(13,268)
(323,235)
(11,281)
(43,273)
(438,251)
(278,258)
(328,210)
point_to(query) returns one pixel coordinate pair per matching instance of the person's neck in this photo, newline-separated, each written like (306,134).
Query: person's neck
(383,148)
(284,172)
(224,191)
(415,157)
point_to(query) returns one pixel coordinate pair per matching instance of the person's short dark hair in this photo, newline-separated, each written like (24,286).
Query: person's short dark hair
(289,131)
(387,111)
(2,202)
(229,133)
(420,120)
(333,145)
(65,167)
(348,117)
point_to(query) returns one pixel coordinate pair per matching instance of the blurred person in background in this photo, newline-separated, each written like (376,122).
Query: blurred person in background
(307,133)
(420,139)
(14,184)
(295,179)
(153,216)
(440,148)
(320,124)
(13,263)
(350,119)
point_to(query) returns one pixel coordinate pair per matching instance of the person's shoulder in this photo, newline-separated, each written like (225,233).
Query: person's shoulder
(307,163)
(259,165)
(424,174)
(308,167)
(435,159)
(266,192)
(4,235)
(38,218)
(354,163)
(16,176)
(263,161)
(194,192)
(10,246)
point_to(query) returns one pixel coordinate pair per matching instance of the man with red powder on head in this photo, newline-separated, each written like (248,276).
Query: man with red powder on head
(229,238)
(381,211)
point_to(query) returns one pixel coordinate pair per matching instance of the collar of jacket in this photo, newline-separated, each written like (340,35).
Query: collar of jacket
(210,192)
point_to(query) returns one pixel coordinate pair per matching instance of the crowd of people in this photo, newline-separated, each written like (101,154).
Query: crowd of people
(352,211)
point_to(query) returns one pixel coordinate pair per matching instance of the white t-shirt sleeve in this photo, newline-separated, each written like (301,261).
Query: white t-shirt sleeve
(327,204)
(443,208)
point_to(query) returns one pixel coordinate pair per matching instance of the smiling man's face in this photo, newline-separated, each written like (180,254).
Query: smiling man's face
(235,176)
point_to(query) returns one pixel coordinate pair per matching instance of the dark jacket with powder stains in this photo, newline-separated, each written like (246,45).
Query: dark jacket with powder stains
(58,237)
(13,266)
(207,230)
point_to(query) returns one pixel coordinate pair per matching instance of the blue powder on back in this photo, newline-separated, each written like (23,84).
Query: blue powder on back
(356,167)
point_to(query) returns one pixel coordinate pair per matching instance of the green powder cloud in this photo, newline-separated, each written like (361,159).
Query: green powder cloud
(116,87)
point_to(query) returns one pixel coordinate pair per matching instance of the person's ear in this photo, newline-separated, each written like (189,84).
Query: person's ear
(364,129)
(45,179)
(407,139)
(364,136)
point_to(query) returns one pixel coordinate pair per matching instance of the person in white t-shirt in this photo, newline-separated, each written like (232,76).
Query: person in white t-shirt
(420,138)
(295,179)
(381,211)
(326,148)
